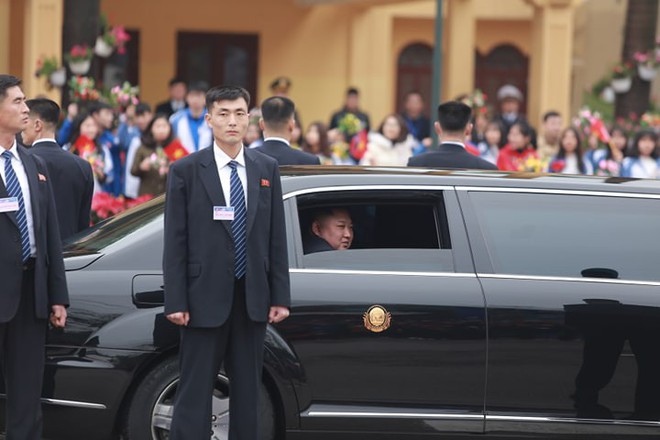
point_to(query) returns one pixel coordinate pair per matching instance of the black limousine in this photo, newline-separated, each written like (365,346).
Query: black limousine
(470,304)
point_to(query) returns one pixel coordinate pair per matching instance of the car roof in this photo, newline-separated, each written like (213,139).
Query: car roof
(295,178)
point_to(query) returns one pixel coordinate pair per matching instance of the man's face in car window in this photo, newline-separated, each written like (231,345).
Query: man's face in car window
(336,229)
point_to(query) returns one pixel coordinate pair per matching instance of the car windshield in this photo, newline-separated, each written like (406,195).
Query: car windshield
(112,230)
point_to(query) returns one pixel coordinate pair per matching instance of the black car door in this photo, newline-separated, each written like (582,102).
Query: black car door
(420,366)
(572,287)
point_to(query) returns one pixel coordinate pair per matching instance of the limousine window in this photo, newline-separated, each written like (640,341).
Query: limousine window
(570,235)
(392,230)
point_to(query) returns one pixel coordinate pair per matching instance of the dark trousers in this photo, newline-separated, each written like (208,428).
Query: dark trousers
(22,348)
(239,343)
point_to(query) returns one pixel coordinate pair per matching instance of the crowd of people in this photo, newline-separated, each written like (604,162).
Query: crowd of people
(130,151)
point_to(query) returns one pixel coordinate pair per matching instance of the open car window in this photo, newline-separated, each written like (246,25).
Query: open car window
(393,230)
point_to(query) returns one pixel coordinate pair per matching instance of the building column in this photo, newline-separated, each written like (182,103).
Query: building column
(5,13)
(42,38)
(551,58)
(458,65)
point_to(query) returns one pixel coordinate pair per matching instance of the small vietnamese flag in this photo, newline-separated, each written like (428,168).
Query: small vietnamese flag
(175,150)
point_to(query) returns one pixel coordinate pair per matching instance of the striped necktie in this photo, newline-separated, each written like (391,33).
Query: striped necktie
(238,225)
(14,190)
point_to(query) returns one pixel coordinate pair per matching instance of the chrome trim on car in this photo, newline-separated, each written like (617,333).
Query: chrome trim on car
(70,403)
(366,188)
(383,272)
(569,279)
(401,415)
(558,191)
(536,419)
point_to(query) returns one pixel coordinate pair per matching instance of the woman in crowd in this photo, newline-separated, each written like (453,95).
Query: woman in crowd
(296,135)
(518,152)
(391,145)
(151,163)
(643,161)
(570,159)
(489,147)
(607,161)
(316,142)
(84,143)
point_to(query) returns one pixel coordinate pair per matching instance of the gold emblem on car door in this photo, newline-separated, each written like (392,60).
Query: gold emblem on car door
(377,319)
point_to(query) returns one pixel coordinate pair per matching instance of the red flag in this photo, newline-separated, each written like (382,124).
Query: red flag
(175,151)
(598,128)
(358,145)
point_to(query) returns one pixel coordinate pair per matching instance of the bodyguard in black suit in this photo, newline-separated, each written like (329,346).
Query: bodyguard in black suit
(277,122)
(225,266)
(31,268)
(452,129)
(71,176)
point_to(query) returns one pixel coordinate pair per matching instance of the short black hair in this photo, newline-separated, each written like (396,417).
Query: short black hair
(147,137)
(142,108)
(454,116)
(97,106)
(634,149)
(45,109)
(550,114)
(352,91)
(198,86)
(176,80)
(277,111)
(226,93)
(7,82)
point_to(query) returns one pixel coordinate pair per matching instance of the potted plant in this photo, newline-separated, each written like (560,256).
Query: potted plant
(622,77)
(50,68)
(79,59)
(647,64)
(113,37)
(82,88)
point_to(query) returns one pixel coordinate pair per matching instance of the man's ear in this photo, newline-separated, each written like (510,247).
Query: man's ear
(316,228)
(438,129)
(292,124)
(468,130)
(262,126)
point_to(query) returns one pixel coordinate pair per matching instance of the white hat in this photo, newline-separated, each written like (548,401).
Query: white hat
(509,91)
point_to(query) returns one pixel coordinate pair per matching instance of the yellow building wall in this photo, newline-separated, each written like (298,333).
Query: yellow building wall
(491,33)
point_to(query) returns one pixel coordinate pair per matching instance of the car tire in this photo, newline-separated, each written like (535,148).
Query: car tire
(147,413)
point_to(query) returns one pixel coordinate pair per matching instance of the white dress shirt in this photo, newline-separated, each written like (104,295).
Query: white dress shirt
(17,165)
(43,140)
(279,139)
(224,171)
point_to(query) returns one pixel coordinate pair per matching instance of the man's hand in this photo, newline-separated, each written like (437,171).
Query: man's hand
(72,111)
(277,314)
(179,318)
(58,316)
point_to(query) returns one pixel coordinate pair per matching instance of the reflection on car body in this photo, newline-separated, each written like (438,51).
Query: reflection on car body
(505,304)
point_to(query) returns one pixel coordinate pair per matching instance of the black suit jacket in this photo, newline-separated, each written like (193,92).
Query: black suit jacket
(73,186)
(198,258)
(285,155)
(49,280)
(450,156)
(165,107)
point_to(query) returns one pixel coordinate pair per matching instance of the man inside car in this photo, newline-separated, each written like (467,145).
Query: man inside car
(331,229)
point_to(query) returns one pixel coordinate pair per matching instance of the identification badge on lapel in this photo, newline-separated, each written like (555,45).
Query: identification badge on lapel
(223,213)
(9,204)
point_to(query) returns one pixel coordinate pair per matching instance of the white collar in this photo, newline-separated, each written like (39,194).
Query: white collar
(460,144)
(13,150)
(279,139)
(43,140)
(222,159)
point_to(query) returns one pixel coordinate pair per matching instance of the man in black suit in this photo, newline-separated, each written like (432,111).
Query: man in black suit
(277,122)
(177,101)
(225,267)
(71,177)
(453,127)
(331,229)
(31,267)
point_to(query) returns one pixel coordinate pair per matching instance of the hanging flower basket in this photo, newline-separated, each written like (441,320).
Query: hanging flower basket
(102,48)
(621,85)
(57,78)
(80,67)
(646,72)
(608,95)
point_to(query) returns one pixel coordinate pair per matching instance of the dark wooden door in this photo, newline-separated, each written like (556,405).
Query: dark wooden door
(218,58)
(504,64)
(414,72)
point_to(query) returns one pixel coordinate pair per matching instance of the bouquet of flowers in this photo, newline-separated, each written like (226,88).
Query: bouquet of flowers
(533,164)
(86,149)
(476,101)
(124,95)
(159,161)
(82,88)
(607,168)
(105,205)
(650,120)
(78,53)
(350,125)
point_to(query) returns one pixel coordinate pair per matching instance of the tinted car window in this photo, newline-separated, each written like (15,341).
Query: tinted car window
(564,235)
(395,231)
(115,228)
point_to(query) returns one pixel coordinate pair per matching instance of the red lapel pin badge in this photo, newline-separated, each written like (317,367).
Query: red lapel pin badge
(42,178)
(265,182)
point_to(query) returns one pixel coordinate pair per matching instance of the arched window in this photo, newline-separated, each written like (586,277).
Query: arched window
(505,64)
(414,72)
